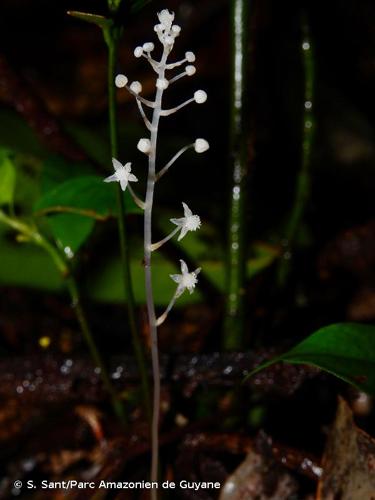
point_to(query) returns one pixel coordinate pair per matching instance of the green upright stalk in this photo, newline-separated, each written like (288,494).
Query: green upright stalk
(81,317)
(302,192)
(236,255)
(112,43)
(30,233)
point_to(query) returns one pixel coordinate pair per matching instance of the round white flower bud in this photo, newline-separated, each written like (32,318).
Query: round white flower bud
(176,29)
(148,47)
(136,87)
(190,70)
(138,51)
(144,145)
(190,56)
(162,83)
(200,96)
(201,145)
(158,28)
(121,81)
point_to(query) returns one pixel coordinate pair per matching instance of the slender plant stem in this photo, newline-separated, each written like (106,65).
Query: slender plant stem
(81,317)
(112,43)
(160,243)
(165,169)
(163,317)
(236,258)
(30,233)
(302,191)
(148,277)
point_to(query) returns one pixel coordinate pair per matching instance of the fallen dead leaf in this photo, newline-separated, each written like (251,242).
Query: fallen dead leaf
(259,478)
(348,461)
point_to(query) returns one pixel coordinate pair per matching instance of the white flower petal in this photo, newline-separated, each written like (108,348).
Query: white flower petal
(184,267)
(123,184)
(176,277)
(116,164)
(178,222)
(111,178)
(197,271)
(187,211)
(184,231)
(132,178)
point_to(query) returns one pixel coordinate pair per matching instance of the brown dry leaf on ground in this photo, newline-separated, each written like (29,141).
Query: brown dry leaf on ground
(348,461)
(259,477)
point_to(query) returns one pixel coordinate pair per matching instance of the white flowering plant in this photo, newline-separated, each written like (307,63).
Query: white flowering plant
(167,32)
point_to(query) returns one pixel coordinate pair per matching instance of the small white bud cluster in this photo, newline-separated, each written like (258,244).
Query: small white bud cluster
(144,145)
(200,96)
(121,81)
(162,83)
(201,145)
(146,48)
(167,31)
(190,57)
(136,87)
(190,70)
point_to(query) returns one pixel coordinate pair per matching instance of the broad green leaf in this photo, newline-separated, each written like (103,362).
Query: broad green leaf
(18,136)
(87,195)
(70,231)
(26,265)
(7,178)
(346,350)
(56,170)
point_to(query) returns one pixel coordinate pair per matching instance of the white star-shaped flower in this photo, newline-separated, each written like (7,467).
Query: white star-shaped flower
(122,174)
(185,280)
(187,223)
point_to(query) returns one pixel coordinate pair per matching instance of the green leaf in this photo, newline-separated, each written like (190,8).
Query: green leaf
(114,5)
(17,135)
(70,231)
(56,170)
(86,195)
(101,21)
(264,256)
(95,144)
(346,350)
(7,178)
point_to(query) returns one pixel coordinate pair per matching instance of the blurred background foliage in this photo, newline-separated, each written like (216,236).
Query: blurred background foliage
(53,121)
(55,151)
